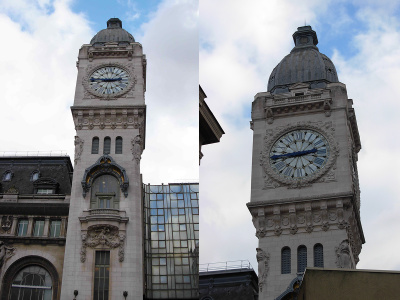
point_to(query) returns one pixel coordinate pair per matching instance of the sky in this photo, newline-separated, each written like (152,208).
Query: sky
(40,43)
(239,47)
(233,48)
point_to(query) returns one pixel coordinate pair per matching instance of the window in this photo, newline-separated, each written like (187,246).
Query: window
(55,228)
(118,145)
(35,175)
(32,282)
(101,275)
(318,256)
(301,258)
(7,176)
(22,227)
(45,191)
(95,145)
(105,193)
(107,145)
(38,228)
(286,261)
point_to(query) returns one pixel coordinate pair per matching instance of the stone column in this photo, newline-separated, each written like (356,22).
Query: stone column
(46,227)
(14,225)
(30,226)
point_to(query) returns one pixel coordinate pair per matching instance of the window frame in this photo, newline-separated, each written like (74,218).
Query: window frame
(22,221)
(318,256)
(41,228)
(301,258)
(8,175)
(107,146)
(98,265)
(286,260)
(95,150)
(52,232)
(118,145)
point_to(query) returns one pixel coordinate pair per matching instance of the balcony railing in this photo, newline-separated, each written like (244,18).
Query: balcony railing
(226,265)
(104,211)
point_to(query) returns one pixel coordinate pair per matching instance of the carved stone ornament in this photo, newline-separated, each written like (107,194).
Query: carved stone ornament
(263,267)
(103,237)
(91,94)
(78,148)
(137,148)
(12,190)
(6,223)
(5,253)
(272,179)
(105,165)
(343,258)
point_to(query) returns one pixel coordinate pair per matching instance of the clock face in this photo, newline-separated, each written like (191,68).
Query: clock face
(109,80)
(299,154)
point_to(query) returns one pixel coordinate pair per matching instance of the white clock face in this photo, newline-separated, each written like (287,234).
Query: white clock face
(299,154)
(109,80)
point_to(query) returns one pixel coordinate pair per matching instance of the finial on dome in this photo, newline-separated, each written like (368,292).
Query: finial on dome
(305,37)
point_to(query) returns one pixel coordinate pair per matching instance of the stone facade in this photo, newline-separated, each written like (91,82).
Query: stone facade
(110,115)
(299,206)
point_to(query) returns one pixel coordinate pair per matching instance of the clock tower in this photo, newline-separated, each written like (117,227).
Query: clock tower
(305,197)
(104,253)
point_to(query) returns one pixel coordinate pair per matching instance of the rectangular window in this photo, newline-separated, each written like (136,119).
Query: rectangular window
(101,275)
(38,228)
(55,228)
(45,191)
(22,227)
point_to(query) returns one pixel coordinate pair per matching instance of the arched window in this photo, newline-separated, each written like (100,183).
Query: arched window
(301,258)
(35,175)
(107,145)
(95,145)
(318,256)
(7,176)
(118,145)
(286,262)
(32,282)
(105,192)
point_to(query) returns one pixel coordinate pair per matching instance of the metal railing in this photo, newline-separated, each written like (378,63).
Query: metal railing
(33,153)
(226,265)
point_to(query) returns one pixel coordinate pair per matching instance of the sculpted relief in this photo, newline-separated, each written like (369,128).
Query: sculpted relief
(103,237)
(263,267)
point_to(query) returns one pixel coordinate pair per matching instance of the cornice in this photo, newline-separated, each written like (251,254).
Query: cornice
(292,200)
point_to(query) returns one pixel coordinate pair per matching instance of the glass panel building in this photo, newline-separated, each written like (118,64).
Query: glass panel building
(171,217)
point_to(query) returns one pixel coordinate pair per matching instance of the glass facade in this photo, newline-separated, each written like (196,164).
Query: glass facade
(171,240)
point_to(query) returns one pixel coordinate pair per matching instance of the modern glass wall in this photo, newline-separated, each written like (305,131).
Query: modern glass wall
(171,240)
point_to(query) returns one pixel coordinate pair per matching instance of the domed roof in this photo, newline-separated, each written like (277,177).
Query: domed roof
(113,33)
(304,64)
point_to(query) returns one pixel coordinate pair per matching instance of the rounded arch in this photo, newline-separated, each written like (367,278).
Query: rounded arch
(105,165)
(27,261)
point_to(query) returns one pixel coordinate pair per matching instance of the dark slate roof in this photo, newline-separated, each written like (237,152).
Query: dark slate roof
(52,169)
(304,64)
(113,33)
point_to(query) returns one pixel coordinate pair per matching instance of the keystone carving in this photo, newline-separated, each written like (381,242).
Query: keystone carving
(263,267)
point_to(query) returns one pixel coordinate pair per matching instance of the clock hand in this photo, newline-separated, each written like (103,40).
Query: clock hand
(105,79)
(294,154)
